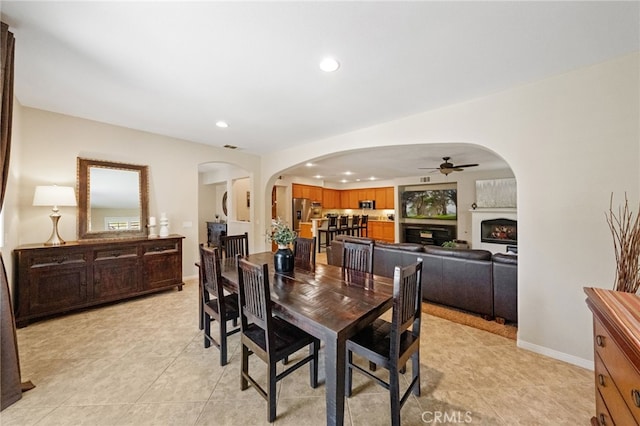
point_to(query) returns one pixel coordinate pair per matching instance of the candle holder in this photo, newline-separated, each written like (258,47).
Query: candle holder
(164,226)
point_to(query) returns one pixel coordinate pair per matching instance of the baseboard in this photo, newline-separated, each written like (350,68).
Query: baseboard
(571,359)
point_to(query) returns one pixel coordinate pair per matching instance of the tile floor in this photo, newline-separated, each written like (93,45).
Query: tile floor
(142,362)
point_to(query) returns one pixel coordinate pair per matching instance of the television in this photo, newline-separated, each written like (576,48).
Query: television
(438,204)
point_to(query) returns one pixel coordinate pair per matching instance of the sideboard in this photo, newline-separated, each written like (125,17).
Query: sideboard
(616,327)
(55,279)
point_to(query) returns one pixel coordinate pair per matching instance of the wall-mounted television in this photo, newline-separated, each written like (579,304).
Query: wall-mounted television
(438,204)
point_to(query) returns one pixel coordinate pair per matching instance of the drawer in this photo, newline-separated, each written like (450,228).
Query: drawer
(619,412)
(161,247)
(61,258)
(116,252)
(623,373)
(602,413)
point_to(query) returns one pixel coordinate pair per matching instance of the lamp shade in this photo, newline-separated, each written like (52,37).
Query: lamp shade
(54,196)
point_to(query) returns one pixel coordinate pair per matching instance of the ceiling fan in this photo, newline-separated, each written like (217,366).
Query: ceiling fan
(447,167)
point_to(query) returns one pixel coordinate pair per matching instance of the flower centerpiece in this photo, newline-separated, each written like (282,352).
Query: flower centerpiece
(283,236)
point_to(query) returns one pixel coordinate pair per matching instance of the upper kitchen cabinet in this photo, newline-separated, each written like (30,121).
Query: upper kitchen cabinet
(384,198)
(314,193)
(331,199)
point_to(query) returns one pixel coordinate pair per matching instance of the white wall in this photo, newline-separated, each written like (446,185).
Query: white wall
(560,136)
(47,149)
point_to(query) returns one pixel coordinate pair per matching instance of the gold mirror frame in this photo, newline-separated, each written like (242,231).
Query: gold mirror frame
(84,201)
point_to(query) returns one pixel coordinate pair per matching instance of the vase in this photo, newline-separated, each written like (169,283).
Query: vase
(283,259)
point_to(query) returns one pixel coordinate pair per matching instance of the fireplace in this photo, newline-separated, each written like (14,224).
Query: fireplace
(499,231)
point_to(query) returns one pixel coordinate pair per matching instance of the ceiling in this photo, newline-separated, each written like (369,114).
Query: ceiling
(176,68)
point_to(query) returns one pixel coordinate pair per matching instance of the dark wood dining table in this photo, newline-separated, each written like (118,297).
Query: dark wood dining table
(328,304)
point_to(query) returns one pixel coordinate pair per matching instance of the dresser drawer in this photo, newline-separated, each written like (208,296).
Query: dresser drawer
(602,413)
(616,406)
(625,377)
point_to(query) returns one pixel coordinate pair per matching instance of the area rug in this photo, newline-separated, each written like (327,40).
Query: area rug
(505,330)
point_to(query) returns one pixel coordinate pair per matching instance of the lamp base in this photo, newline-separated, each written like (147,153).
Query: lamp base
(54,239)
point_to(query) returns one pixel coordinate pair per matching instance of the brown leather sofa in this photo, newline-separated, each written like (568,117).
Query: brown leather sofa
(460,278)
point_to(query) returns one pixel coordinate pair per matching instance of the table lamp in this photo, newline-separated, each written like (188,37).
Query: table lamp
(54,196)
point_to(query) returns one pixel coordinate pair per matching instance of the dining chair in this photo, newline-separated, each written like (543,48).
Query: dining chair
(391,345)
(270,338)
(357,255)
(304,253)
(221,308)
(329,232)
(234,245)
(355,225)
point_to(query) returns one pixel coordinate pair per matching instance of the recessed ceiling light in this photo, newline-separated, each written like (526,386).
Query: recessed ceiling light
(329,65)
(348,173)
(372,178)
(318,177)
(309,164)
(222,124)
(344,181)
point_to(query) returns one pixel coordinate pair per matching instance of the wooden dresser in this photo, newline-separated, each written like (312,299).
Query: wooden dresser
(54,279)
(616,325)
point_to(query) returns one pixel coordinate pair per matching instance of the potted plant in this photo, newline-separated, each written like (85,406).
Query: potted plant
(625,231)
(283,236)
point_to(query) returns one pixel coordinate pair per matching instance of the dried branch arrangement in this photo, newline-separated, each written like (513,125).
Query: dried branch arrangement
(626,243)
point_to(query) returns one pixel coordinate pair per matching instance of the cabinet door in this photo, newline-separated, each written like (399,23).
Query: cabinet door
(162,264)
(388,232)
(353,199)
(381,198)
(115,272)
(390,198)
(56,287)
(296,190)
(316,193)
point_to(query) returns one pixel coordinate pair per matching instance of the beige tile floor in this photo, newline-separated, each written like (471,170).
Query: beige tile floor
(142,362)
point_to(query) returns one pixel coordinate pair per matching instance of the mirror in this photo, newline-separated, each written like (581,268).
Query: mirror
(112,199)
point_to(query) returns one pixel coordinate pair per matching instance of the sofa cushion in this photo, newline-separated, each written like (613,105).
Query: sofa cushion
(472,254)
(509,258)
(401,246)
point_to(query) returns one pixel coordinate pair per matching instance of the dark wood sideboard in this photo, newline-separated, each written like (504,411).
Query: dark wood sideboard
(616,328)
(55,279)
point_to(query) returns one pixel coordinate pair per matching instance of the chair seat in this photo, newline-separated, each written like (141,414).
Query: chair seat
(374,342)
(232,311)
(288,338)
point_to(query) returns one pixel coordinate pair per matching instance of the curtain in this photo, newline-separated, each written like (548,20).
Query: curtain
(10,385)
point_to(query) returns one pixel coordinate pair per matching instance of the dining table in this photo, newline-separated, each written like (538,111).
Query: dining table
(327,302)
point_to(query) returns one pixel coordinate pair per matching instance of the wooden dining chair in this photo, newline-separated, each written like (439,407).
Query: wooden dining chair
(270,338)
(391,345)
(216,306)
(304,253)
(234,245)
(357,255)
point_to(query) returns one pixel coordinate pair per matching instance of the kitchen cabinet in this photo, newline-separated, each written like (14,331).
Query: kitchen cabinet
(390,196)
(305,230)
(331,199)
(55,279)
(314,193)
(382,230)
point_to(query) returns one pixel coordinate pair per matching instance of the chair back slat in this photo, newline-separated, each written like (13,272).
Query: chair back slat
(344,221)
(358,256)
(235,245)
(333,222)
(254,295)
(407,294)
(304,253)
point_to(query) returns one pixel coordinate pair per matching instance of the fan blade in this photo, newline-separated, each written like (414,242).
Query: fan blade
(459,166)
(428,168)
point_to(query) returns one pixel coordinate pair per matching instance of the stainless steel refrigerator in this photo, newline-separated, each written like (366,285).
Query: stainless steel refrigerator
(301,212)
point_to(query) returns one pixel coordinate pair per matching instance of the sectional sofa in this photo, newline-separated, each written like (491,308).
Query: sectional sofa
(472,280)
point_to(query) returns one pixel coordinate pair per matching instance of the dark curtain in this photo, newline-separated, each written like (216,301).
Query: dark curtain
(10,365)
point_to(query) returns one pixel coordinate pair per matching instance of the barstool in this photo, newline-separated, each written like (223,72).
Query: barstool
(329,232)
(355,225)
(364,225)
(343,228)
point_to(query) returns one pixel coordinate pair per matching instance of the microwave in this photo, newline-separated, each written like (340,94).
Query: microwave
(367,204)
